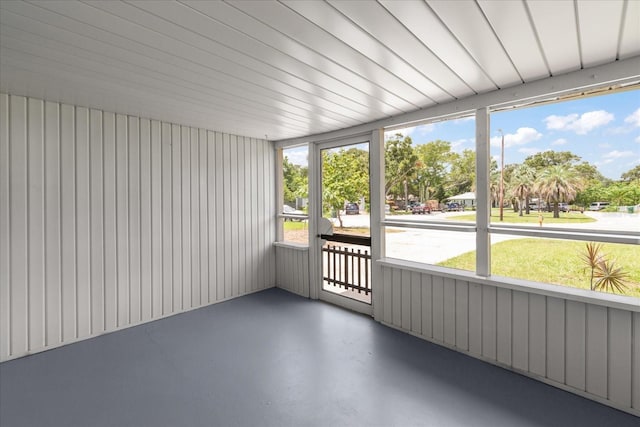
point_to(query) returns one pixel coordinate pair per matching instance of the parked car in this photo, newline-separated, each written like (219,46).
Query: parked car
(420,209)
(597,206)
(452,207)
(352,209)
(563,207)
(288,210)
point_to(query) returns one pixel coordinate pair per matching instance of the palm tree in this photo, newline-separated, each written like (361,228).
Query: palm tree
(521,185)
(558,183)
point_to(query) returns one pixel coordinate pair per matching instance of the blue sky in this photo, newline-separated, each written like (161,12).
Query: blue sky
(603,130)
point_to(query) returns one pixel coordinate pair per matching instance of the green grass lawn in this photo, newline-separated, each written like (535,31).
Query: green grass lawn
(552,261)
(512,217)
(295,225)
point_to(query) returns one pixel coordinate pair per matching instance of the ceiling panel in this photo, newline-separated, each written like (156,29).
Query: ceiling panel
(469,26)
(630,33)
(555,23)
(376,20)
(418,18)
(292,68)
(599,46)
(510,21)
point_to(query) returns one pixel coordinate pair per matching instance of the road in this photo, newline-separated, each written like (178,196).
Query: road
(433,246)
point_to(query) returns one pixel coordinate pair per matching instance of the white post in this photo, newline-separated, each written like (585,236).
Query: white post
(315,214)
(483,208)
(279,196)
(376,177)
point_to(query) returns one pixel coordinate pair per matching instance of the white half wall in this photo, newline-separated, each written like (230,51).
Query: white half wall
(292,268)
(109,220)
(587,348)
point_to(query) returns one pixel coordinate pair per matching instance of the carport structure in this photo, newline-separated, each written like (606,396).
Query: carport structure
(139,159)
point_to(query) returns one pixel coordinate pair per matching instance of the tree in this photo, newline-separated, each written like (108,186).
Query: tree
(521,185)
(345,178)
(631,174)
(400,161)
(558,183)
(434,160)
(462,177)
(545,159)
(295,180)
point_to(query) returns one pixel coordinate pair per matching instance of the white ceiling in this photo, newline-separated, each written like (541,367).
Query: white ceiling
(293,68)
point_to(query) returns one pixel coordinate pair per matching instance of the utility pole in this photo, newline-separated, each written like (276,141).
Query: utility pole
(501,176)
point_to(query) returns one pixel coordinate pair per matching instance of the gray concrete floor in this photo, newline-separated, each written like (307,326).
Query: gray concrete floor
(275,359)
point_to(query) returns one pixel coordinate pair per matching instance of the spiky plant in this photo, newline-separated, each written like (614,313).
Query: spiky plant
(591,257)
(609,278)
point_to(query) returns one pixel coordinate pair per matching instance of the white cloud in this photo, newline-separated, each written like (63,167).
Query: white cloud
(559,141)
(582,124)
(615,154)
(637,139)
(521,137)
(604,145)
(634,118)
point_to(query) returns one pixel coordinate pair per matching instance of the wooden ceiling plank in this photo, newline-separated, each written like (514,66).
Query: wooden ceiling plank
(510,21)
(555,24)
(467,23)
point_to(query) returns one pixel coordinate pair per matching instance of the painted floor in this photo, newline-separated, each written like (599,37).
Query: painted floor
(276,359)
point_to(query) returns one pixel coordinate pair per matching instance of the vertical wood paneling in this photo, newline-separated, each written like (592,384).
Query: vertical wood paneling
(427,305)
(167,217)
(146,251)
(635,360)
(537,334)
(387,296)
(233,204)
(504,326)
(555,338)
(576,335)
(220,219)
(211,216)
(18,204)
(195,220)
(177,201)
(52,224)
(157,181)
(36,286)
(255,226)
(134,219)
(122,218)
(475,318)
(203,182)
(5,230)
(110,224)
(396,296)
(586,347)
(96,221)
(489,319)
(449,310)
(107,220)
(597,345)
(437,307)
(83,231)
(520,315)
(462,314)
(619,351)
(185,155)
(228,233)
(406,299)
(68,200)
(240,213)
(416,300)
(292,264)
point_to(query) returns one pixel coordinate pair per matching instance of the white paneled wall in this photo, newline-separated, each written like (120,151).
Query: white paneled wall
(586,348)
(292,264)
(108,220)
